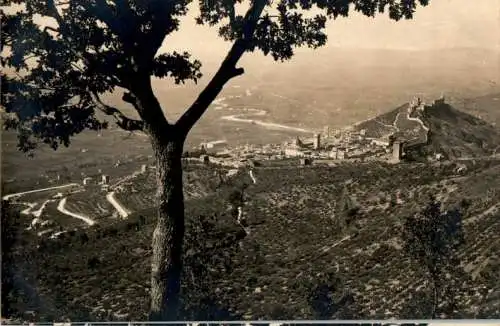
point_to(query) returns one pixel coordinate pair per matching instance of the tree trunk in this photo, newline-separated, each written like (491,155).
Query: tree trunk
(168,236)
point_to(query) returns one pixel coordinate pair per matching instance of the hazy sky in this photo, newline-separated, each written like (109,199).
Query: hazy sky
(444,23)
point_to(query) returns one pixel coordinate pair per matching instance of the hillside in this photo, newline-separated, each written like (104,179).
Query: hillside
(457,134)
(297,243)
(436,128)
(382,125)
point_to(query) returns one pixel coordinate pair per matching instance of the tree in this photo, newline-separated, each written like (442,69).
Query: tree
(237,195)
(349,210)
(99,46)
(433,238)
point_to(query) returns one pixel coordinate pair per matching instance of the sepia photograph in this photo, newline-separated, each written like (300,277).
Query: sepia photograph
(250,162)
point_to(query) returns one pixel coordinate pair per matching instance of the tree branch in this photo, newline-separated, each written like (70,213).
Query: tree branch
(121,120)
(232,15)
(160,12)
(226,71)
(131,99)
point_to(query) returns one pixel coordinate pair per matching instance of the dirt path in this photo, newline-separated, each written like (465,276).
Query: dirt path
(252,176)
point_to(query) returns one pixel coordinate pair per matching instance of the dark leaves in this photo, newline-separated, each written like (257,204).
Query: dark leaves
(86,47)
(177,66)
(432,235)
(292,26)
(433,238)
(51,115)
(213,12)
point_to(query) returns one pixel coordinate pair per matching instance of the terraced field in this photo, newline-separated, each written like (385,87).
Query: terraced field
(136,201)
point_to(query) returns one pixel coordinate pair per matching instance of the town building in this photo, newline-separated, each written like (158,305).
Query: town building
(440,101)
(317,141)
(397,151)
(326,131)
(105,179)
(87,181)
(305,161)
(380,142)
(294,151)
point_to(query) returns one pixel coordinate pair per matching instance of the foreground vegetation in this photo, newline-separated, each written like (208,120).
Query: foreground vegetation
(323,242)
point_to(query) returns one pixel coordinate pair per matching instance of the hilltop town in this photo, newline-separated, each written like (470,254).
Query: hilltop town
(351,144)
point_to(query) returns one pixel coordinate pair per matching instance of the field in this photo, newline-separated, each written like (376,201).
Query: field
(134,191)
(298,242)
(62,221)
(376,265)
(91,203)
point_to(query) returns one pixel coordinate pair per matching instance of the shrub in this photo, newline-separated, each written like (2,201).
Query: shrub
(432,238)
(208,256)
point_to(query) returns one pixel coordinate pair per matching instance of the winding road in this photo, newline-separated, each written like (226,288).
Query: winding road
(252,176)
(63,210)
(7,197)
(243,117)
(39,211)
(60,207)
(27,210)
(110,197)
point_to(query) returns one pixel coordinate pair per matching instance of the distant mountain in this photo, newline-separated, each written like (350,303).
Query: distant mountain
(436,128)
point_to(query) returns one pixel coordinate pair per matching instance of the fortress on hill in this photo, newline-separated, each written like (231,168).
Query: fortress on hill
(354,144)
